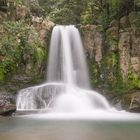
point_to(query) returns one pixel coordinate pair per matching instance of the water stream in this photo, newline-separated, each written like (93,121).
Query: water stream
(67,88)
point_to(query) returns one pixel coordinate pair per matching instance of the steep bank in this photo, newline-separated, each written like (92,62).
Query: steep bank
(24,41)
(114,58)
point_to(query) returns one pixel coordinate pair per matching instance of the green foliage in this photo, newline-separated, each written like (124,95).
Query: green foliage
(37,10)
(94,73)
(87,11)
(67,12)
(1,74)
(18,47)
(133,80)
(136,21)
(86,17)
(19,1)
(137,3)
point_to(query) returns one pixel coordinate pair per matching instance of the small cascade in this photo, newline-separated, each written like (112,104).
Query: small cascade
(67,88)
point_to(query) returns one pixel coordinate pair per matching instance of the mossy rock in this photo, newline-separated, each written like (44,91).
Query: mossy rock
(131,102)
(1,74)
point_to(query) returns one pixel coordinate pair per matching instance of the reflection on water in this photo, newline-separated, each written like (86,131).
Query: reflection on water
(35,129)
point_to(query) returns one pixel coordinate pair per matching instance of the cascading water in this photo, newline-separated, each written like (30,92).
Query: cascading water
(67,88)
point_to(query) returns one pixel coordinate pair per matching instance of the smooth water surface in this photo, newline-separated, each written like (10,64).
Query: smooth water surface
(25,128)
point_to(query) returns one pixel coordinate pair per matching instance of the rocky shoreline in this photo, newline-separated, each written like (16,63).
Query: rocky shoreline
(7,104)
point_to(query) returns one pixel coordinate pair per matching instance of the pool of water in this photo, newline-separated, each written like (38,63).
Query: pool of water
(31,128)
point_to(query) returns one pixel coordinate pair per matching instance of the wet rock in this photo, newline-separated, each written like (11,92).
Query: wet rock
(116,102)
(124,22)
(131,102)
(132,16)
(16,83)
(7,104)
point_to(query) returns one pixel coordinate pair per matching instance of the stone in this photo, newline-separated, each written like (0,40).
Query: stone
(36,22)
(1,30)
(135,47)
(124,49)
(114,23)
(135,64)
(1,18)
(124,22)
(42,26)
(7,104)
(22,12)
(131,102)
(8,110)
(132,16)
(47,24)
(42,34)
(113,32)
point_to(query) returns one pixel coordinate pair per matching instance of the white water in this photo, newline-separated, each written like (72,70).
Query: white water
(67,88)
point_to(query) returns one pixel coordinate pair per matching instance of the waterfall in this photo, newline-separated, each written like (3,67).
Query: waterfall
(67,87)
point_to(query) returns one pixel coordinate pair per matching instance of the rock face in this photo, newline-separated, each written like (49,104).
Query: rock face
(121,41)
(7,104)
(115,56)
(124,48)
(22,12)
(34,34)
(131,102)
(43,26)
(30,35)
(92,40)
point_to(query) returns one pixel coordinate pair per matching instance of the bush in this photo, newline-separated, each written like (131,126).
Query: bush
(16,51)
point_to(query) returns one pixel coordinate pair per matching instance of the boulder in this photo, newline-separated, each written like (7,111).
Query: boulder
(7,104)
(131,102)
(124,22)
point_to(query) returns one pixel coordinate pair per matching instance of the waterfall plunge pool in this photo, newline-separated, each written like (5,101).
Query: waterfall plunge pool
(36,128)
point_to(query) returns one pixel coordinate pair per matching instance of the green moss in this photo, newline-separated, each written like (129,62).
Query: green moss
(94,73)
(111,71)
(1,74)
(132,80)
(86,17)
(20,50)
(40,54)
(112,75)
(100,28)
